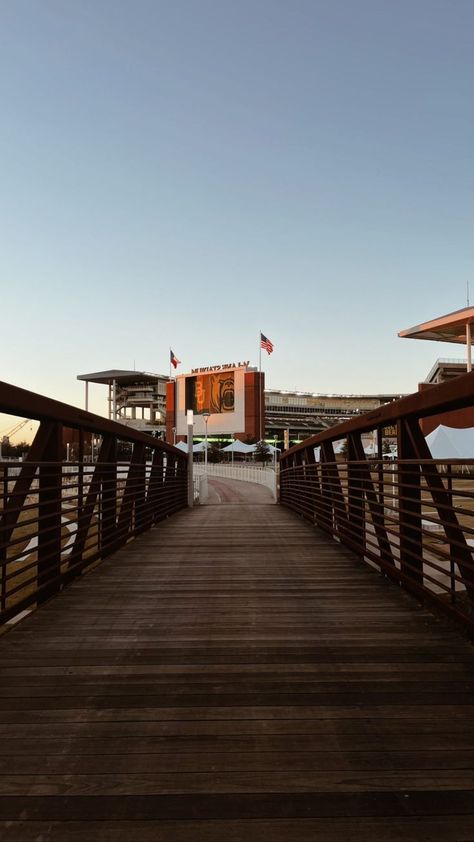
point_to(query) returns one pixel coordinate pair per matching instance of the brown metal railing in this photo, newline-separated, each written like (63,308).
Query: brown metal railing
(58,518)
(412,517)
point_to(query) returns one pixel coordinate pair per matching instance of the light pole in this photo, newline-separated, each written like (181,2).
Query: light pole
(190,419)
(174,435)
(206,416)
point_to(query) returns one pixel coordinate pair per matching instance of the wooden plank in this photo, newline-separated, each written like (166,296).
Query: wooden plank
(193,806)
(247,769)
(335,829)
(264,781)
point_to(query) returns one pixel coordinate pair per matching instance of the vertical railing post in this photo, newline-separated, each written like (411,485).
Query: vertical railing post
(80,474)
(327,508)
(355,495)
(380,467)
(169,484)
(133,498)
(155,487)
(333,489)
(409,508)
(140,493)
(299,479)
(312,482)
(3,549)
(49,514)
(190,459)
(108,519)
(182,480)
(452,553)
(372,506)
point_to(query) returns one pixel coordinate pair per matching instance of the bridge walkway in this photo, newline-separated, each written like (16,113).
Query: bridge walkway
(235,676)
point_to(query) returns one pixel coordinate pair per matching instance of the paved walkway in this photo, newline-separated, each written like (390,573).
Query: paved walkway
(234,676)
(223,490)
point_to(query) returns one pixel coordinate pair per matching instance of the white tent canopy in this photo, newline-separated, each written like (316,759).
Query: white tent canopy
(451,442)
(235,447)
(338,447)
(197,448)
(239,447)
(201,447)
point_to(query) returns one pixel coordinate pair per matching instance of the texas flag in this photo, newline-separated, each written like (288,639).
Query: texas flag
(174,360)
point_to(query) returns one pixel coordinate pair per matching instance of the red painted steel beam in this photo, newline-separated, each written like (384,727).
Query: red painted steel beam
(17,401)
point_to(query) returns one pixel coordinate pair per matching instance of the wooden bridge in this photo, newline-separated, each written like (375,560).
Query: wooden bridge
(234,673)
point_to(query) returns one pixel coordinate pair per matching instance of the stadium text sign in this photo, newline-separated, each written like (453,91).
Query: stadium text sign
(225,367)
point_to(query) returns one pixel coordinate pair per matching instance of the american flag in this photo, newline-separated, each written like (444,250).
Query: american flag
(266,343)
(174,360)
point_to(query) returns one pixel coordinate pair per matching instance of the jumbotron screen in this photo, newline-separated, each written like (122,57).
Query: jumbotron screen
(214,393)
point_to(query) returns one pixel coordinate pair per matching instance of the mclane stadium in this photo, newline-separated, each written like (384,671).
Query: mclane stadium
(234,397)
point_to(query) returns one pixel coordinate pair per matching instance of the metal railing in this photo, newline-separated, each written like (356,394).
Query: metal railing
(412,518)
(58,518)
(267,476)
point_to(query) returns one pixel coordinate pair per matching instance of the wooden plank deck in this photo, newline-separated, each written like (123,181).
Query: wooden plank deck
(234,676)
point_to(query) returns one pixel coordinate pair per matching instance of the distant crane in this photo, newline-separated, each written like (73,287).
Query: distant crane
(16,428)
(11,432)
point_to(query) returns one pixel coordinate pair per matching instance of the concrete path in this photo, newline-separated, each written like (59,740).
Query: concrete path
(223,490)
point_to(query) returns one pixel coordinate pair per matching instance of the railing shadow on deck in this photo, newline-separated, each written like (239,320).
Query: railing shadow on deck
(413,517)
(57,518)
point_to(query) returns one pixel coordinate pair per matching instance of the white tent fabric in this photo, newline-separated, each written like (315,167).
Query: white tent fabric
(197,448)
(239,447)
(338,447)
(451,442)
(201,446)
(369,450)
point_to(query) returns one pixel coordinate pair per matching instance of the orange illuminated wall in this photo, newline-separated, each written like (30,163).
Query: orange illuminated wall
(170,411)
(71,437)
(254,404)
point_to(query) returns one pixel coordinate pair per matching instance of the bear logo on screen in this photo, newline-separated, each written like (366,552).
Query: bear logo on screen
(222,393)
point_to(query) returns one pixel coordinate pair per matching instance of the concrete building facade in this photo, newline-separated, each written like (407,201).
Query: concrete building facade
(135,398)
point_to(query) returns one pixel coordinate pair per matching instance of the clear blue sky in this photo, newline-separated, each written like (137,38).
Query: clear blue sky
(185,174)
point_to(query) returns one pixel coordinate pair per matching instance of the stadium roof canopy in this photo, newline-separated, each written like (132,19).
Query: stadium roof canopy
(449,328)
(126,378)
(454,327)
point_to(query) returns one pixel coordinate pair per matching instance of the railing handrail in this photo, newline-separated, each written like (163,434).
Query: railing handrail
(436,399)
(17,401)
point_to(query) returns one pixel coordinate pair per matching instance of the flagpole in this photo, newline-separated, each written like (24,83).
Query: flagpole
(260,382)
(170,363)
